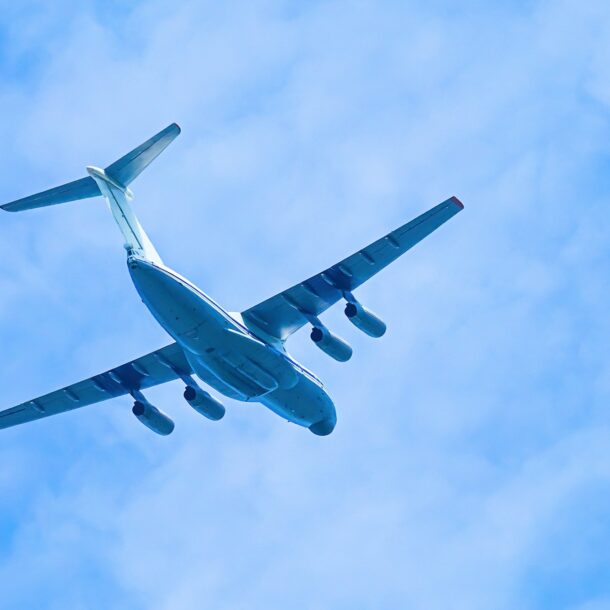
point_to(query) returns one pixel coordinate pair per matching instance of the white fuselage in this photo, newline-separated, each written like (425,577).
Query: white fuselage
(228,355)
(224,352)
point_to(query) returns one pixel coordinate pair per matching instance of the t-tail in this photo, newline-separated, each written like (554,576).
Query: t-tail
(111,183)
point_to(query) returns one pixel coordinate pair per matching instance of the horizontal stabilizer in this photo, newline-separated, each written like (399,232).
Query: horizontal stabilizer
(121,173)
(129,167)
(79,189)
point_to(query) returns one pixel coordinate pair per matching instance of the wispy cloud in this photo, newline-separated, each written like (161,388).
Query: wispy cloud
(468,468)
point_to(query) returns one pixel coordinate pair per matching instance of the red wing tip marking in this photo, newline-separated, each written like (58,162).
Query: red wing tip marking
(457,202)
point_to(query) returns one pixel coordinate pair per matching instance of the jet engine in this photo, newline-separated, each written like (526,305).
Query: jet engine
(152,418)
(364,319)
(334,346)
(203,403)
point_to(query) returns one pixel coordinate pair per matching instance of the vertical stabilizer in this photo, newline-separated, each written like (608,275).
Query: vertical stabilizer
(119,200)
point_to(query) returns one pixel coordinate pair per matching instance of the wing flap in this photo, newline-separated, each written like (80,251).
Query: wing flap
(282,314)
(138,374)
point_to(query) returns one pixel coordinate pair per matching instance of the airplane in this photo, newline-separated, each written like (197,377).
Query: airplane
(240,355)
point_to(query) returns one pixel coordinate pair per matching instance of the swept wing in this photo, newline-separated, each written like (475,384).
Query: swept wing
(152,369)
(286,312)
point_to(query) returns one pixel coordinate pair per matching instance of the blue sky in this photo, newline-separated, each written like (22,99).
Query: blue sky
(470,467)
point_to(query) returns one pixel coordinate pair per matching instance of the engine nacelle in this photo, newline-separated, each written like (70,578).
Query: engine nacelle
(334,346)
(365,320)
(204,403)
(152,418)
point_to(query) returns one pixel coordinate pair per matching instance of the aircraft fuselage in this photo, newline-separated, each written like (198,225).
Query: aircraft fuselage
(228,355)
(241,355)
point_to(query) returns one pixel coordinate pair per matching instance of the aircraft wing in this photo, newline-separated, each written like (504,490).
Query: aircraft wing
(144,372)
(286,312)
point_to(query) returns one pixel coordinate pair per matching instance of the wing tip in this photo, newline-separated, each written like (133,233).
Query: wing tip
(15,206)
(457,202)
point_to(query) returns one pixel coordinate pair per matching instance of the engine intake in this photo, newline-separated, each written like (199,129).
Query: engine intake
(365,320)
(152,418)
(204,403)
(332,345)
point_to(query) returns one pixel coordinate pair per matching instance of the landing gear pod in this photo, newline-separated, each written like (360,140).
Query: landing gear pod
(152,418)
(334,346)
(204,403)
(365,320)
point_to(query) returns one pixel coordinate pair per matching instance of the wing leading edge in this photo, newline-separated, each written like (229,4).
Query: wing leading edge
(286,312)
(152,369)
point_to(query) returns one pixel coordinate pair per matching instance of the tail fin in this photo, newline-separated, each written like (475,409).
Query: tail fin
(121,173)
(111,183)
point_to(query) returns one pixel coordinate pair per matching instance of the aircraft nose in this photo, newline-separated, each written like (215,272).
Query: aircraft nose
(324,427)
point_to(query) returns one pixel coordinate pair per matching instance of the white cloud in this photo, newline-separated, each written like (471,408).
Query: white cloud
(471,439)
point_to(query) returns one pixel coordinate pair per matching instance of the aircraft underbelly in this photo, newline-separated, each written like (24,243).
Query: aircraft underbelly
(245,367)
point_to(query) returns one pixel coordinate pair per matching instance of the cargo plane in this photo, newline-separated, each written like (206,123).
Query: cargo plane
(240,355)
